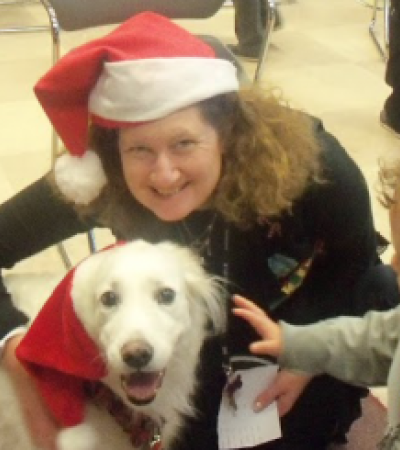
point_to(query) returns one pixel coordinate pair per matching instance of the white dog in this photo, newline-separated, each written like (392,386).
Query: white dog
(148,309)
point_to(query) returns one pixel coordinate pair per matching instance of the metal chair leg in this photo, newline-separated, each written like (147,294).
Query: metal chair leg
(55,34)
(269,27)
(91,241)
(386,24)
(64,256)
(382,49)
(55,55)
(54,28)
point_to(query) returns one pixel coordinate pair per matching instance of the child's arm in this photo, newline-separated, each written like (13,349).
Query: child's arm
(353,349)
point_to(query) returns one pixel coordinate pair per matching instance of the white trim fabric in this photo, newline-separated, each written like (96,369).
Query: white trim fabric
(149,89)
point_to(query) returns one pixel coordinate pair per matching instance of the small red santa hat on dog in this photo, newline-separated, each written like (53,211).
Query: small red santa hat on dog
(60,355)
(58,351)
(145,69)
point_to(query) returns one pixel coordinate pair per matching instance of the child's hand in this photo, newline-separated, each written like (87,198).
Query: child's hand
(269,330)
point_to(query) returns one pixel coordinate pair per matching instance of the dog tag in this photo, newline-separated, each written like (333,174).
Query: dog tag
(155,443)
(233,384)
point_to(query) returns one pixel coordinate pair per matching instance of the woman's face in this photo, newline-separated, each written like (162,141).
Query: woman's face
(172,165)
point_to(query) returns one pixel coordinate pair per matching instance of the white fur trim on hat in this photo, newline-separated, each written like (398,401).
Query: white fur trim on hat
(148,89)
(80,179)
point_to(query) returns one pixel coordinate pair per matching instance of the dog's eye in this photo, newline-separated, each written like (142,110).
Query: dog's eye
(165,296)
(109,298)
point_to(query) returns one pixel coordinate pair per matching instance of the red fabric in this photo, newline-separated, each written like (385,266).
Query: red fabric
(60,355)
(63,92)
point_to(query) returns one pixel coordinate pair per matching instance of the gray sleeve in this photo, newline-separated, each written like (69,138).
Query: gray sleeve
(353,349)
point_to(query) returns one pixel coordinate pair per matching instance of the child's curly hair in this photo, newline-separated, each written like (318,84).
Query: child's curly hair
(389,181)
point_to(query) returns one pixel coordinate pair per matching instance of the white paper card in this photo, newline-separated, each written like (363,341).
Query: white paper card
(243,427)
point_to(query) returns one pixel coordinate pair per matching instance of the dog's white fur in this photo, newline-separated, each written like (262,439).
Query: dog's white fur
(175,331)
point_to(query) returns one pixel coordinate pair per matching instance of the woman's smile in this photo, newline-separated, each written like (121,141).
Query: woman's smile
(169,192)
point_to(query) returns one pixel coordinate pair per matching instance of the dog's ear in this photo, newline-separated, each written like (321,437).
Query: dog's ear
(83,290)
(204,290)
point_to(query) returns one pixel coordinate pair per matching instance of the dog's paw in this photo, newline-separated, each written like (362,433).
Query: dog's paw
(81,437)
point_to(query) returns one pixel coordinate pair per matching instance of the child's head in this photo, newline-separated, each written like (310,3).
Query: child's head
(389,177)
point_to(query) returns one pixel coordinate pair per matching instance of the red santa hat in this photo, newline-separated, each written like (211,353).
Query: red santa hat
(60,355)
(145,69)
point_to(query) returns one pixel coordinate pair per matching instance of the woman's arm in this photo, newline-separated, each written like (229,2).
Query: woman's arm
(31,221)
(34,219)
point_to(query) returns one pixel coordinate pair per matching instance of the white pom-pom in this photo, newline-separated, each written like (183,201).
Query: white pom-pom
(80,179)
(80,437)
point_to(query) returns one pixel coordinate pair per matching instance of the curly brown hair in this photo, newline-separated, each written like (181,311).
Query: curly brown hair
(271,157)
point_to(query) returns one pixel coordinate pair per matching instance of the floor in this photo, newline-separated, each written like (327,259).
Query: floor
(322,60)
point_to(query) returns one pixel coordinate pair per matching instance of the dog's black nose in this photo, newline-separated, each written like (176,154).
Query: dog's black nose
(137,354)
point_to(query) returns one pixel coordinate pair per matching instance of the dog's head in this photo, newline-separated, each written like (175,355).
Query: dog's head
(137,301)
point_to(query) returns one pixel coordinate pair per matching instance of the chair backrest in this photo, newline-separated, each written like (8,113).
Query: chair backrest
(79,14)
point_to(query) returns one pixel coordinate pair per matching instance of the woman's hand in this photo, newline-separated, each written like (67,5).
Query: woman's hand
(269,330)
(285,389)
(40,423)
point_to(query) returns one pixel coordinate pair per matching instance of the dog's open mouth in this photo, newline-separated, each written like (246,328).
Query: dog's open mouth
(141,387)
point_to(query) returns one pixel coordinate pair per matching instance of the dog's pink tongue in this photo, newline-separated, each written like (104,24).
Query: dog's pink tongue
(142,386)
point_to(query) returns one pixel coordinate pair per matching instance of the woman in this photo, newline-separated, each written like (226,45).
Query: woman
(269,199)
